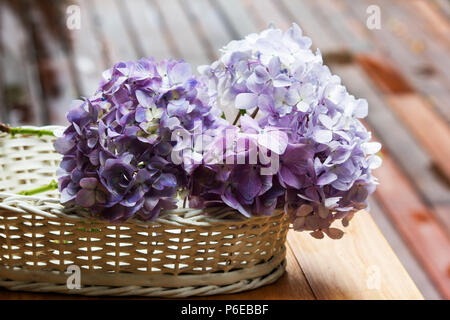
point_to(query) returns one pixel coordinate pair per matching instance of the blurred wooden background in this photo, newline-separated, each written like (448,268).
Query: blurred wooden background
(402,69)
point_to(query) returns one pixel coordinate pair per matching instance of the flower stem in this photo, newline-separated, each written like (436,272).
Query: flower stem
(51,186)
(253,115)
(240,113)
(17,130)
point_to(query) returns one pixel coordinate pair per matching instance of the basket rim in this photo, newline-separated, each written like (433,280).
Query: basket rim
(52,208)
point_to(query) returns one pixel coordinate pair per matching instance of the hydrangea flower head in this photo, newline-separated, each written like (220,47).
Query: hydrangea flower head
(117,148)
(325,171)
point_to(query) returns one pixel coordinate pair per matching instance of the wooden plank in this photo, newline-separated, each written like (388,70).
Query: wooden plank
(129,28)
(402,43)
(210,23)
(441,100)
(196,22)
(146,27)
(360,265)
(23,93)
(428,26)
(434,52)
(443,212)
(111,30)
(412,109)
(385,76)
(402,38)
(38,61)
(397,140)
(341,27)
(48,61)
(4,114)
(56,75)
(395,38)
(53,16)
(164,29)
(412,266)
(188,43)
(264,13)
(443,6)
(94,25)
(353,29)
(303,14)
(89,62)
(234,14)
(416,223)
(434,20)
(428,127)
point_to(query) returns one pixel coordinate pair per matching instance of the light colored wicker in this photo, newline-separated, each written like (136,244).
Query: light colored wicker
(182,253)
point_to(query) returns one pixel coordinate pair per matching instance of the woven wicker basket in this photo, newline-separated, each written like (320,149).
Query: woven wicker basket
(182,253)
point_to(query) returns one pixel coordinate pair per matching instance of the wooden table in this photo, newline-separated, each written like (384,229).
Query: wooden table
(360,265)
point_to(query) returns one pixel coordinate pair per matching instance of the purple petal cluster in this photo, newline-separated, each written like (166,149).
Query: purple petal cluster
(237,170)
(117,148)
(325,169)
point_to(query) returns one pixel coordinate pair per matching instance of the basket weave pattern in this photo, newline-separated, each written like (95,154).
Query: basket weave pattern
(184,252)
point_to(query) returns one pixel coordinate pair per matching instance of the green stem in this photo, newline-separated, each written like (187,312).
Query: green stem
(51,186)
(13,131)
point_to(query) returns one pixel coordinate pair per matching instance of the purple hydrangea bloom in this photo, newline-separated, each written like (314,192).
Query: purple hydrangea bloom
(325,169)
(117,148)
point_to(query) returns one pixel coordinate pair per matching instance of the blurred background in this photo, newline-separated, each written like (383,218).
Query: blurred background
(393,53)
